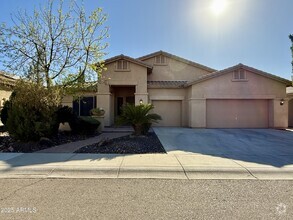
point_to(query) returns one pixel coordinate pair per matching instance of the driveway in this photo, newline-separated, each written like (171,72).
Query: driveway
(260,146)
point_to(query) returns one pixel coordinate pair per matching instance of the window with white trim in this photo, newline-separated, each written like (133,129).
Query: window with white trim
(239,75)
(161,60)
(122,65)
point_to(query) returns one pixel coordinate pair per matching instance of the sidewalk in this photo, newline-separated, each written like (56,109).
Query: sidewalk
(166,166)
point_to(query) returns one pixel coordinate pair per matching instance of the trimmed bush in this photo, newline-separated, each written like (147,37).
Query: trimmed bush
(33,112)
(79,125)
(4,112)
(65,114)
(84,125)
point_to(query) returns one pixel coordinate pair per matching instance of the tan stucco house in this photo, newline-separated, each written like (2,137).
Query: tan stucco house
(189,94)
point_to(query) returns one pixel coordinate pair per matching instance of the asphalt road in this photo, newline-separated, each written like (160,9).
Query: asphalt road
(145,199)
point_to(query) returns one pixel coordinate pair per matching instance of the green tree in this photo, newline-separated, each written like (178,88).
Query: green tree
(58,44)
(139,117)
(32,111)
(291,38)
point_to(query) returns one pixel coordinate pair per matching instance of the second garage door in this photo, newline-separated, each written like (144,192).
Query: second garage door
(237,113)
(170,112)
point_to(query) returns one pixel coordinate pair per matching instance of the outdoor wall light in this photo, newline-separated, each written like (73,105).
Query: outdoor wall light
(282,102)
(140,101)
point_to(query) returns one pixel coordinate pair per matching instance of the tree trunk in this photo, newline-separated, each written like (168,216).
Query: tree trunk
(137,129)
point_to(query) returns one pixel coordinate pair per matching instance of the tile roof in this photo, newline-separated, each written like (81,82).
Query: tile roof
(166,84)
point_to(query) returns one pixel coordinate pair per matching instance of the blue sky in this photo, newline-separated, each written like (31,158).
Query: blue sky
(253,32)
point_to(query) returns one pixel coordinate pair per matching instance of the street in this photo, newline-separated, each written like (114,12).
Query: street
(145,199)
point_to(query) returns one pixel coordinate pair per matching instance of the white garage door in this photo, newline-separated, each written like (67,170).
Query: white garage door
(170,112)
(237,113)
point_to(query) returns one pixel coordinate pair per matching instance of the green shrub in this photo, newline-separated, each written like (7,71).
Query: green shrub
(139,117)
(33,112)
(65,114)
(84,125)
(4,112)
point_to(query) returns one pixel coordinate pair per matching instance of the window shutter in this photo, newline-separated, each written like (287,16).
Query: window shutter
(125,65)
(119,64)
(236,74)
(241,74)
(158,59)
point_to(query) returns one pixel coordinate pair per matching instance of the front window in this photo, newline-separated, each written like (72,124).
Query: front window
(239,75)
(83,105)
(161,60)
(122,65)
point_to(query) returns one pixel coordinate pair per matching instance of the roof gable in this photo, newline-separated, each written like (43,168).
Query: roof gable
(239,66)
(180,59)
(130,59)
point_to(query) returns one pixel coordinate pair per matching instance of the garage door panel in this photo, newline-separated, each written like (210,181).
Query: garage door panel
(237,113)
(170,111)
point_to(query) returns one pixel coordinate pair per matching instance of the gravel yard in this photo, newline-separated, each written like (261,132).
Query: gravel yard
(126,145)
(7,144)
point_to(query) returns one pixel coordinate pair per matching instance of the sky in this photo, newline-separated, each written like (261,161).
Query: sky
(252,32)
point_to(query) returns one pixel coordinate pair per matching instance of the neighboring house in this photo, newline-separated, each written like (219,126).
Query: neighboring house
(189,94)
(7,83)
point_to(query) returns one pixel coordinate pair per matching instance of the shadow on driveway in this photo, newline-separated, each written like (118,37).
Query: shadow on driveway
(261,146)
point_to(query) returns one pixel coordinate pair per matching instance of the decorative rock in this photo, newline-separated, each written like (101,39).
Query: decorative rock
(64,127)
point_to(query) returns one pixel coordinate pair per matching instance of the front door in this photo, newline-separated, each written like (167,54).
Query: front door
(122,100)
(119,105)
(130,99)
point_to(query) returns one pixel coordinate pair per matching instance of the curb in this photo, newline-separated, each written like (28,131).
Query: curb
(147,173)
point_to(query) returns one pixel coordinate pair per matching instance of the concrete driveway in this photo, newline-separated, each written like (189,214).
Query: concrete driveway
(253,146)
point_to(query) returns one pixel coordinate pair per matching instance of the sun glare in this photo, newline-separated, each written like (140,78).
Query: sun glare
(218,6)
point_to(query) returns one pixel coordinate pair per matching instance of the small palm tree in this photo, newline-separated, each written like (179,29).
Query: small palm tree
(139,117)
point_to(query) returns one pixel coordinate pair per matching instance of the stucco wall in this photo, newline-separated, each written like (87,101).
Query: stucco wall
(136,76)
(68,99)
(174,70)
(256,86)
(4,95)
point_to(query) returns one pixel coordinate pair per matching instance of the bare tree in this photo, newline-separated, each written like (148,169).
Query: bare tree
(58,44)
(291,38)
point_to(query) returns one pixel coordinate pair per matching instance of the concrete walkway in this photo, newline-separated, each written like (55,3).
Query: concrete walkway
(74,146)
